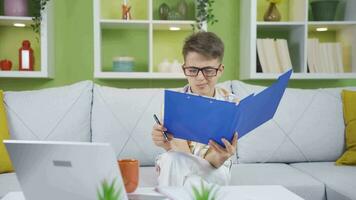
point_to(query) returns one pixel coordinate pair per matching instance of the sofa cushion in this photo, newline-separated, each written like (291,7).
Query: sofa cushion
(61,113)
(148,177)
(124,118)
(349,108)
(5,162)
(278,174)
(339,181)
(8,183)
(297,133)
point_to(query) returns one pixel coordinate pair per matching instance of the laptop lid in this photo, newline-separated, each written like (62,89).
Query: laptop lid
(64,170)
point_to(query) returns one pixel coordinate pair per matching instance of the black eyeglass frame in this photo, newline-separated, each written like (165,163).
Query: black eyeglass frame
(202,70)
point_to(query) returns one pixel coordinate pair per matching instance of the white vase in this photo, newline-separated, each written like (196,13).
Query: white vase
(176,66)
(164,66)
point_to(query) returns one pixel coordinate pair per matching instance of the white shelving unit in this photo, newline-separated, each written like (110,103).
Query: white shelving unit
(296,28)
(46,45)
(150,25)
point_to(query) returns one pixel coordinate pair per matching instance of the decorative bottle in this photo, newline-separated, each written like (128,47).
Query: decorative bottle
(26,57)
(182,8)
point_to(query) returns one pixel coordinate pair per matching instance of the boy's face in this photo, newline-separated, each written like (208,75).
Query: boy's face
(200,84)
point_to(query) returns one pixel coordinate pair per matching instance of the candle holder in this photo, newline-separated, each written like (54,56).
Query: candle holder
(126,11)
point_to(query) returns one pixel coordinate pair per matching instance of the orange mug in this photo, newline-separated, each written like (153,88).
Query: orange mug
(129,172)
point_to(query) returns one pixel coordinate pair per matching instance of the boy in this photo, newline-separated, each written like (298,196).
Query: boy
(187,162)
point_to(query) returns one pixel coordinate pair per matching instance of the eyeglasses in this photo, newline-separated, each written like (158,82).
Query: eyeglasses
(207,71)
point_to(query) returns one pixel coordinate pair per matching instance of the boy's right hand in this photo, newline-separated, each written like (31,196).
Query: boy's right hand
(158,138)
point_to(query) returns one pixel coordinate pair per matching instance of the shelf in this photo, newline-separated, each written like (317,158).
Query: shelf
(296,29)
(124,24)
(280,23)
(279,27)
(145,38)
(332,26)
(303,76)
(23,74)
(43,44)
(138,75)
(10,20)
(332,22)
(165,25)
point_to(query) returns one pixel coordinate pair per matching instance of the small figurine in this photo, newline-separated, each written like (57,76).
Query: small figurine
(126,14)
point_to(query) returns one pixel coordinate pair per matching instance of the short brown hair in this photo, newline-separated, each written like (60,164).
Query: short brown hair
(207,44)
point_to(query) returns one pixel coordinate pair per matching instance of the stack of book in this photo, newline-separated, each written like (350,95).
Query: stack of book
(273,55)
(324,57)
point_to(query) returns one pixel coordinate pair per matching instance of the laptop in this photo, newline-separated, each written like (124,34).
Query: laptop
(64,170)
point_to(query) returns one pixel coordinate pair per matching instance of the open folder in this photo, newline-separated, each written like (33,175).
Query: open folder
(196,118)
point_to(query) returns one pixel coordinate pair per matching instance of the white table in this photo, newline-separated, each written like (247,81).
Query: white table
(144,193)
(253,192)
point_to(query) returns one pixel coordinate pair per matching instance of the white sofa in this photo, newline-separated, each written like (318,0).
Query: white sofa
(296,149)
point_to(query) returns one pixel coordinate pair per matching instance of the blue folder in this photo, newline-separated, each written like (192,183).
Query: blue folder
(196,118)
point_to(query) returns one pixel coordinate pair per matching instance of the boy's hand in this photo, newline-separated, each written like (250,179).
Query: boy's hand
(158,138)
(218,154)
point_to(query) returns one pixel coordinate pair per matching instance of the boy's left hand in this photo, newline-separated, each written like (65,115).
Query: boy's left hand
(221,154)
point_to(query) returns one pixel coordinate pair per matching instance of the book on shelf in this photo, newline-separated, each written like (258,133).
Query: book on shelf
(261,56)
(273,55)
(283,54)
(311,55)
(338,58)
(269,48)
(324,57)
(258,64)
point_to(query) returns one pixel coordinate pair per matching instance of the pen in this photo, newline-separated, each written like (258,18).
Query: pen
(159,123)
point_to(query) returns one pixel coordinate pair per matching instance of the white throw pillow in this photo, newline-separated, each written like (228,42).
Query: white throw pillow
(124,118)
(308,126)
(61,113)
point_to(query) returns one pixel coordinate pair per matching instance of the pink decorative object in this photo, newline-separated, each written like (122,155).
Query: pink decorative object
(15,7)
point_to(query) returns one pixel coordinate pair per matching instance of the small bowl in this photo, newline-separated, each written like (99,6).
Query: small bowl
(123,64)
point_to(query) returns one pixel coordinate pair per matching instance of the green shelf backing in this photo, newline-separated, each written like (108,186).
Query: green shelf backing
(125,42)
(168,45)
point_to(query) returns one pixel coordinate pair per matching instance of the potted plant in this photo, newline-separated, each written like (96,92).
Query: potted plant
(109,191)
(205,192)
(204,16)
(38,7)
(324,10)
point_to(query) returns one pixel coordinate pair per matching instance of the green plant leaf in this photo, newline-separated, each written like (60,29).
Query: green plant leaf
(109,191)
(38,7)
(204,13)
(205,192)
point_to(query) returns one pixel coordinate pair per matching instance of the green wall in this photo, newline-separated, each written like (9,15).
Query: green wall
(74,51)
